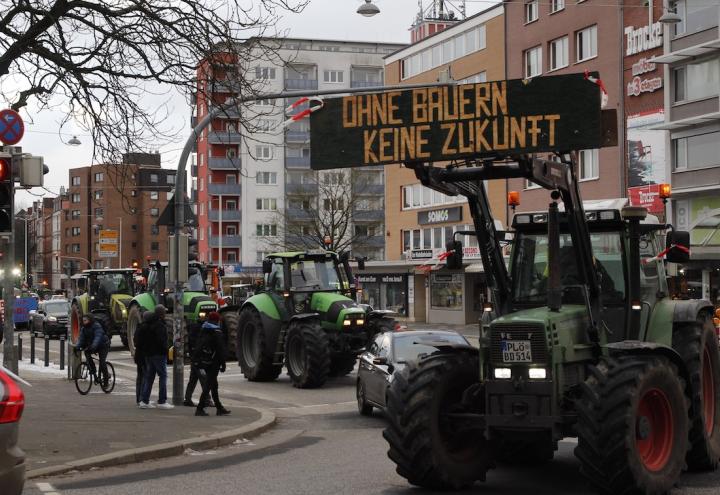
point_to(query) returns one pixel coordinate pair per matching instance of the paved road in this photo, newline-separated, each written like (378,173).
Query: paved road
(320,446)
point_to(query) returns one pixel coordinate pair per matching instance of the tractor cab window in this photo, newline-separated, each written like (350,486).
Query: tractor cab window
(314,275)
(276,278)
(195,282)
(152,280)
(106,284)
(652,277)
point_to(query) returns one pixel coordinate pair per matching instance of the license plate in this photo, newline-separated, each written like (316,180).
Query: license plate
(516,351)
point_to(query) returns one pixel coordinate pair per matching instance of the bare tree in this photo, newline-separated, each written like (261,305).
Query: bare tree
(338,210)
(111,67)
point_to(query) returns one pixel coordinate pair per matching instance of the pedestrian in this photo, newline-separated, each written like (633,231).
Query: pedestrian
(156,349)
(209,358)
(94,339)
(194,332)
(142,332)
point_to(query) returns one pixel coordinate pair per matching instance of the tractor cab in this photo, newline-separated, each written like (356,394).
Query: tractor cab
(103,284)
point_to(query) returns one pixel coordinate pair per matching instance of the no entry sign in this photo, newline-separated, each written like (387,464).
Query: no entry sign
(11,126)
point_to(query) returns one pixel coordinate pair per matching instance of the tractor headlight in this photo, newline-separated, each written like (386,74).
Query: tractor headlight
(201,314)
(347,323)
(92,298)
(537,373)
(502,373)
(360,322)
(124,312)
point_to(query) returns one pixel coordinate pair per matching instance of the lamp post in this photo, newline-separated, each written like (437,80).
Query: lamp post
(368,9)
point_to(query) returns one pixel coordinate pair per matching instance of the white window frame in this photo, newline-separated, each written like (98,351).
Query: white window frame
(263,152)
(154,195)
(591,33)
(266,178)
(535,51)
(531,11)
(76,180)
(564,44)
(99,177)
(266,204)
(266,73)
(557,6)
(333,76)
(595,166)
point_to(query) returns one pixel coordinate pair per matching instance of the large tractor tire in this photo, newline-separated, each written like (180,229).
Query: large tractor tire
(75,323)
(106,322)
(230,322)
(633,426)
(697,343)
(134,320)
(342,363)
(428,449)
(254,353)
(307,354)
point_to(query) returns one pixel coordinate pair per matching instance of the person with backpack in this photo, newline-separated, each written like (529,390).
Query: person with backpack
(94,339)
(194,331)
(155,346)
(209,358)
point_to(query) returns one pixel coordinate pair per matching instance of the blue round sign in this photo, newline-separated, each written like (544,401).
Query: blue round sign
(12,127)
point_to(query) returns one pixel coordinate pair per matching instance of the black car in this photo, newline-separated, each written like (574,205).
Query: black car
(389,353)
(51,317)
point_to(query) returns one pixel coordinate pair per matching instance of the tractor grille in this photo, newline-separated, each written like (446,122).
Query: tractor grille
(514,332)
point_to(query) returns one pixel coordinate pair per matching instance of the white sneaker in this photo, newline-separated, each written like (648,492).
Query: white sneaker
(165,405)
(145,405)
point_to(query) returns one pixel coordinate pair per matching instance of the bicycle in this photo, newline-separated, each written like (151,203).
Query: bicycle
(84,378)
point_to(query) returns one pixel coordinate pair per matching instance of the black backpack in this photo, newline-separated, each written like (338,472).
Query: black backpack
(205,353)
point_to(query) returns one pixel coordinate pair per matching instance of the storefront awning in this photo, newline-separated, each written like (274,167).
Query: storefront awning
(707,118)
(685,54)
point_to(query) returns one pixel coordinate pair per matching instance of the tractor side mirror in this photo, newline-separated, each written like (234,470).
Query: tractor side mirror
(454,260)
(361,263)
(267,266)
(678,243)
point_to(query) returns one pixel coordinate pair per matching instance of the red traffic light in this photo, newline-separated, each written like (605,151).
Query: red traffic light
(5,169)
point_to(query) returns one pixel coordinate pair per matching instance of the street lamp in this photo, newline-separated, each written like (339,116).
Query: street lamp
(74,141)
(670,17)
(368,9)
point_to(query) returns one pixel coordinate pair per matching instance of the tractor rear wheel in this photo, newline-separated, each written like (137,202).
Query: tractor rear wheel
(75,317)
(342,363)
(254,353)
(431,448)
(697,343)
(633,426)
(133,321)
(230,321)
(307,354)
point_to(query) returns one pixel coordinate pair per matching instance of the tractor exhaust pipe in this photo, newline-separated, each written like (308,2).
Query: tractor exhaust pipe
(554,293)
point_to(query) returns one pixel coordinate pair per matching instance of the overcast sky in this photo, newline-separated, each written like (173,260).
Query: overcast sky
(322,19)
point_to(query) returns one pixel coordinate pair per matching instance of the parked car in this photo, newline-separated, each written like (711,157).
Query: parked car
(12,459)
(388,354)
(51,317)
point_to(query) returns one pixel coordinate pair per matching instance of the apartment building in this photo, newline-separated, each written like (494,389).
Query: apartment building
(252,184)
(127,198)
(691,61)
(419,221)
(561,37)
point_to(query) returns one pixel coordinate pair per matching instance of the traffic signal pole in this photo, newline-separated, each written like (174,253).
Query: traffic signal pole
(7,229)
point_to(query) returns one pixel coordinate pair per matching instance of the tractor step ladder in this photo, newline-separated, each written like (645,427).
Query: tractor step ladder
(279,356)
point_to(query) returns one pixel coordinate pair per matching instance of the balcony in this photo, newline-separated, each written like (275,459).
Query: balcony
(301,189)
(224,87)
(364,84)
(229,113)
(219,163)
(227,215)
(224,189)
(297,162)
(228,241)
(368,215)
(301,84)
(223,137)
(297,136)
(298,214)
(374,241)
(370,189)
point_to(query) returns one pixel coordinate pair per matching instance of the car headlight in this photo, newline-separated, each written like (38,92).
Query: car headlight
(537,373)
(502,373)
(52,319)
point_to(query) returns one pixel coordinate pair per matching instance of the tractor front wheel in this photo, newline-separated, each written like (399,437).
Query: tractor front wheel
(230,321)
(254,353)
(307,354)
(431,442)
(75,324)
(633,426)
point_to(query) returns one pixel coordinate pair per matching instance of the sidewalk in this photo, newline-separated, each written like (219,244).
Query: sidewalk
(62,430)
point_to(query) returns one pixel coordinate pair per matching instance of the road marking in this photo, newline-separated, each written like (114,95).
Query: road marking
(47,489)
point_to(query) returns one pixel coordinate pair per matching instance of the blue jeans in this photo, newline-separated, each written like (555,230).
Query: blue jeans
(155,365)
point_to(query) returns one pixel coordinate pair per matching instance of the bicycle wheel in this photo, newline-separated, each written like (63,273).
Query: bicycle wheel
(83,379)
(110,379)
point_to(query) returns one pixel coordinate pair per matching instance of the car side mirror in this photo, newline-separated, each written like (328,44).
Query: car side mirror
(380,361)
(678,244)
(267,266)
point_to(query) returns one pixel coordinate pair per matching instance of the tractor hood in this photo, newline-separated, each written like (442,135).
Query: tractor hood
(333,307)
(118,306)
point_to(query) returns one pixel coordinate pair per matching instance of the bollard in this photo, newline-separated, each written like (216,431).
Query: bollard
(62,352)
(19,347)
(32,347)
(47,351)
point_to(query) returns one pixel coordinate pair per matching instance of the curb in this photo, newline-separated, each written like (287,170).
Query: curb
(205,442)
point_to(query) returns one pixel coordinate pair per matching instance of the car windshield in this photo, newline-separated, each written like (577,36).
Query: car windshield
(314,275)
(530,267)
(411,347)
(57,307)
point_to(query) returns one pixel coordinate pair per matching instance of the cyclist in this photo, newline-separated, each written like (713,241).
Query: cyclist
(94,340)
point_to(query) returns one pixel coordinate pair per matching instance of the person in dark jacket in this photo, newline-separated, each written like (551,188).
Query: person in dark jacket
(141,331)
(194,332)
(93,339)
(209,358)
(154,341)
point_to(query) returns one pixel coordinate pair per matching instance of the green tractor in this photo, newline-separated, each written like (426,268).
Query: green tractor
(196,301)
(106,294)
(306,319)
(587,343)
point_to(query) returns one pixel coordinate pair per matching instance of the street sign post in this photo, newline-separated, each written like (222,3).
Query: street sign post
(108,241)
(12,127)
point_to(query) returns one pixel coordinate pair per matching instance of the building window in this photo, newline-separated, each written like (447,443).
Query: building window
(696,15)
(260,256)
(98,194)
(76,180)
(333,204)
(76,198)
(699,151)
(75,214)
(154,195)
(559,53)
(154,212)
(171,178)
(201,184)
(264,72)
(697,80)
(154,230)
(98,212)
(76,248)
(533,62)
(586,44)
(446,291)
(265,230)
(266,204)
(531,11)
(231,230)
(556,5)
(99,177)
(76,231)
(265,103)
(133,193)
(266,178)
(263,152)
(154,246)
(153,178)
(133,244)
(231,257)
(333,76)
(588,164)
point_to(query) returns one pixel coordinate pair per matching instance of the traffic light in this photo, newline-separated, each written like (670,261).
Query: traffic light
(454,259)
(6,193)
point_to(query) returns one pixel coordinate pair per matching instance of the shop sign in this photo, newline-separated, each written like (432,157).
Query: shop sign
(471,252)
(638,86)
(440,216)
(389,279)
(643,38)
(367,279)
(647,196)
(643,66)
(421,254)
